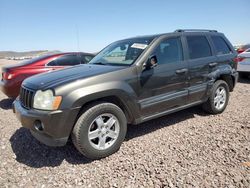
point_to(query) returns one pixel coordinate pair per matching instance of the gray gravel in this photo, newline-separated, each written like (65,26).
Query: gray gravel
(186,149)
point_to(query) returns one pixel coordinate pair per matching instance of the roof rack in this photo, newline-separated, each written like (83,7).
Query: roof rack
(195,30)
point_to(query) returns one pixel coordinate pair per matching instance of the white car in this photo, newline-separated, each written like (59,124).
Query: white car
(244,64)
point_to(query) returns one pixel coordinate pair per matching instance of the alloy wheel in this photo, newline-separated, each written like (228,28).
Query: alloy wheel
(220,98)
(103,131)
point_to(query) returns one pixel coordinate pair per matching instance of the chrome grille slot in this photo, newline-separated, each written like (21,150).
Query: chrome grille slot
(26,97)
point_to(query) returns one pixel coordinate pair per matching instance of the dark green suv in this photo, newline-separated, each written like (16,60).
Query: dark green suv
(128,82)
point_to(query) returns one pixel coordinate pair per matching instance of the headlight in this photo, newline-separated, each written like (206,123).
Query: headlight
(45,100)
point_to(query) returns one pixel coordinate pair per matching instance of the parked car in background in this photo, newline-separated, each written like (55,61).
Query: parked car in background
(242,48)
(13,75)
(129,82)
(244,64)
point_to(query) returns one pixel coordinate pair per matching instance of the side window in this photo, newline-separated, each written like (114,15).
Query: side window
(198,47)
(52,63)
(86,58)
(66,60)
(169,51)
(220,45)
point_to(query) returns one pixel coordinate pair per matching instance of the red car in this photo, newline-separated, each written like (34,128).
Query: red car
(13,75)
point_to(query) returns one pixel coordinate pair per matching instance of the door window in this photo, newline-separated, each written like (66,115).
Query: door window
(198,47)
(169,51)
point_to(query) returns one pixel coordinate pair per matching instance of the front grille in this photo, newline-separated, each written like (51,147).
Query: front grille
(26,97)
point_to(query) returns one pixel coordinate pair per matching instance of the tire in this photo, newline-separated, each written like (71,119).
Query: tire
(244,75)
(100,130)
(216,103)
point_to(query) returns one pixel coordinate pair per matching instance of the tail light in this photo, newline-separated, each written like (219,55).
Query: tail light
(7,76)
(239,59)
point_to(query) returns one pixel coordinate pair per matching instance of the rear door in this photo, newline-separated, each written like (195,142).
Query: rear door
(200,64)
(164,87)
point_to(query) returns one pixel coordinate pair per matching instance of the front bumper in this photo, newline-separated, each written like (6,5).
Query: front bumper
(56,125)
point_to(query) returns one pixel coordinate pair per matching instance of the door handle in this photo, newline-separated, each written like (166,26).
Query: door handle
(181,71)
(212,64)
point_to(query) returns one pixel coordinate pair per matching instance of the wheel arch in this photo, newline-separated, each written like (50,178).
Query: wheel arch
(111,99)
(225,73)
(230,80)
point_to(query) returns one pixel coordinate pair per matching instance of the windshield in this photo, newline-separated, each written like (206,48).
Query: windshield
(123,52)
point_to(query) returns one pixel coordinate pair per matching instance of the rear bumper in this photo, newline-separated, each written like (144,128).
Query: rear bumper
(55,125)
(243,66)
(10,89)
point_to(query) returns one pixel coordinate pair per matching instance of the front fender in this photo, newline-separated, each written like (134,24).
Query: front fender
(79,97)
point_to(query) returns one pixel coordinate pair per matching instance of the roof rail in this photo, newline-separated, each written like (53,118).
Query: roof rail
(195,30)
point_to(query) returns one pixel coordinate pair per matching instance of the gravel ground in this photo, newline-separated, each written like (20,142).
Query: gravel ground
(186,149)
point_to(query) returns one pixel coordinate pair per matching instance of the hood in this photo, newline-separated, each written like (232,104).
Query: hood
(63,76)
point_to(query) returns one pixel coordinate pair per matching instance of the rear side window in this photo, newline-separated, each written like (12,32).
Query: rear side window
(220,45)
(66,60)
(169,51)
(198,47)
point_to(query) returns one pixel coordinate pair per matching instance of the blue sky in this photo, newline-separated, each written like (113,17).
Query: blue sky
(55,24)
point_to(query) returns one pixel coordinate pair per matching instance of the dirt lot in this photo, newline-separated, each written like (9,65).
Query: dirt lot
(186,149)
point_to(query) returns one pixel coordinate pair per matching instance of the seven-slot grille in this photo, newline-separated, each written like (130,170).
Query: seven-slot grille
(26,97)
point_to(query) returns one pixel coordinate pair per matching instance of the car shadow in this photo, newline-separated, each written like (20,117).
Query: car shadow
(165,121)
(6,104)
(244,80)
(32,153)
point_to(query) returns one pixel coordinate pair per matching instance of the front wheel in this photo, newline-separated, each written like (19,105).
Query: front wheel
(100,130)
(218,99)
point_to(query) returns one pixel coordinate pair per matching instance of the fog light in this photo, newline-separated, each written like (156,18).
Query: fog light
(38,125)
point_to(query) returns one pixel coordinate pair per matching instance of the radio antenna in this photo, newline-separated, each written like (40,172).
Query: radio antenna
(77,38)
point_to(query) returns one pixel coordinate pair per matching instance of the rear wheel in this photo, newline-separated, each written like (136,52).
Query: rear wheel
(100,130)
(218,99)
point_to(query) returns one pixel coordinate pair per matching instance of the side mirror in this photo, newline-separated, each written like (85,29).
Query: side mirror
(150,63)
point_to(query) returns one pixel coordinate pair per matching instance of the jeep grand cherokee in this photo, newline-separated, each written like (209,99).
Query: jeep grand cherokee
(128,82)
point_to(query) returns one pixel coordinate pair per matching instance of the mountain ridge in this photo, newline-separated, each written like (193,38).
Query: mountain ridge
(8,54)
